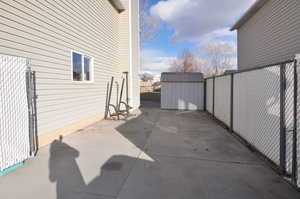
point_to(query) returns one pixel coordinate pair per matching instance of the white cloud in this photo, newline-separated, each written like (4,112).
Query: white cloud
(214,35)
(197,20)
(154,62)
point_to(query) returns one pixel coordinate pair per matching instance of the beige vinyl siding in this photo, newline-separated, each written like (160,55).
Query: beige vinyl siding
(46,31)
(124,50)
(271,35)
(124,38)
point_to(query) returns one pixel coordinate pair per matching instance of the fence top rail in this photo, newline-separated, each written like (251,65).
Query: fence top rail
(253,69)
(201,81)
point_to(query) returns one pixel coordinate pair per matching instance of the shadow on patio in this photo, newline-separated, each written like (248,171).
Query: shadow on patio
(181,155)
(159,154)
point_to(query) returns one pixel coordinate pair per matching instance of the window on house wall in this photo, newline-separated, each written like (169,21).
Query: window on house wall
(82,67)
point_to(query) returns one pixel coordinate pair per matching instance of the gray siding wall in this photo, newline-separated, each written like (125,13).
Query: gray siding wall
(46,31)
(272,35)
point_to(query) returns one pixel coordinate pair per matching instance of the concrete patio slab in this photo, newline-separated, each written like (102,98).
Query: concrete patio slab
(177,177)
(158,154)
(191,138)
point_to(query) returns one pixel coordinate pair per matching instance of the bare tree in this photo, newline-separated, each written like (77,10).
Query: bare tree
(219,55)
(186,62)
(149,25)
(146,77)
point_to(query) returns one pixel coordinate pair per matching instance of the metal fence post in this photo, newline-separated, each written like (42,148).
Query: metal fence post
(282,119)
(35,97)
(295,134)
(214,86)
(231,101)
(32,109)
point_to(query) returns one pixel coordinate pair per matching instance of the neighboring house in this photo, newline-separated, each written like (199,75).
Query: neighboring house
(146,87)
(75,47)
(268,33)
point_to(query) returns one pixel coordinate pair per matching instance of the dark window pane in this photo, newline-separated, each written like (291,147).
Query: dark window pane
(77,67)
(87,68)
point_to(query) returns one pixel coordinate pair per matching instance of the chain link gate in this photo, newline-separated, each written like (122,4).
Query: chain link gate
(18,132)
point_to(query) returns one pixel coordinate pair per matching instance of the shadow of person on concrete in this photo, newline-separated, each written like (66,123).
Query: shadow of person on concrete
(113,175)
(64,170)
(150,176)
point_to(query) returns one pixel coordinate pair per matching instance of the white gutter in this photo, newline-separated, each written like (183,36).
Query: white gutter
(254,8)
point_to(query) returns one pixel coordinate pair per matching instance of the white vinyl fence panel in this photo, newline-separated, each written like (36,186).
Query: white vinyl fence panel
(289,115)
(298,143)
(14,119)
(182,96)
(256,110)
(298,125)
(223,98)
(209,95)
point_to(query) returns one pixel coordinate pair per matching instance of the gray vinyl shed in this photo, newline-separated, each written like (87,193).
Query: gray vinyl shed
(182,91)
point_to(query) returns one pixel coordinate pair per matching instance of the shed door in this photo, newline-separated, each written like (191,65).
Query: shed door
(182,96)
(14,115)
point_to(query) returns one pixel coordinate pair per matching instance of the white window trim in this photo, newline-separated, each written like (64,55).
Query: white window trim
(83,55)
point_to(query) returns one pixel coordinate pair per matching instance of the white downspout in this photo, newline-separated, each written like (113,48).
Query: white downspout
(130,54)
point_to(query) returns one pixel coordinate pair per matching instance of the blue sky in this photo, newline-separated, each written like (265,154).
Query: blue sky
(189,24)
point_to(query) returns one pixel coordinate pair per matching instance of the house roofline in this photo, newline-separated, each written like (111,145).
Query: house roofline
(117,4)
(254,8)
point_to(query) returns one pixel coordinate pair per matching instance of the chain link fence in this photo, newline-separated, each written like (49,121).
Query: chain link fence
(289,114)
(209,95)
(296,145)
(17,123)
(259,105)
(222,99)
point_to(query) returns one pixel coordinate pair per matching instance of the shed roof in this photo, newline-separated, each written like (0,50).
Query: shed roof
(254,8)
(181,77)
(117,4)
